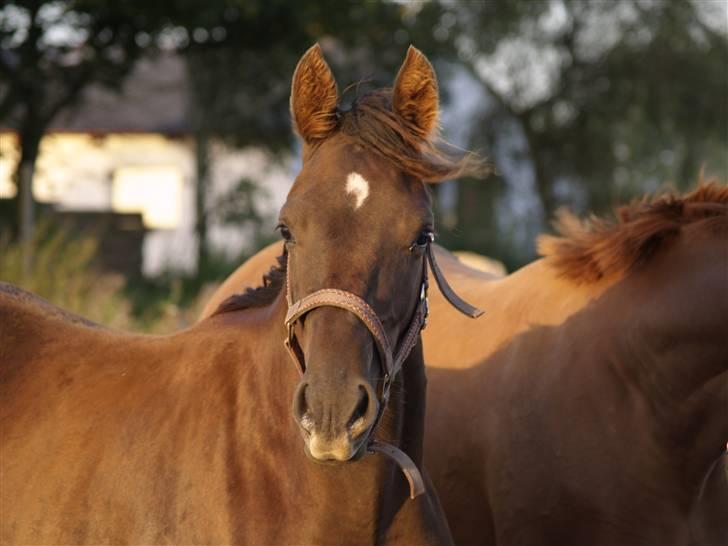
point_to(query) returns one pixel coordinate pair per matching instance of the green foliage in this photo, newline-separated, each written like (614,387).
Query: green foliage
(53,49)
(50,52)
(63,273)
(238,206)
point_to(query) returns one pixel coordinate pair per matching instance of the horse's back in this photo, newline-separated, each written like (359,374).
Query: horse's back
(23,313)
(17,305)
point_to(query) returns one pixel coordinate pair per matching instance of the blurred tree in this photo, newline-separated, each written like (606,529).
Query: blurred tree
(241,55)
(50,51)
(604,100)
(592,101)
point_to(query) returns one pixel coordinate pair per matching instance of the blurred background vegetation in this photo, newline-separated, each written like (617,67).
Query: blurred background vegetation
(578,103)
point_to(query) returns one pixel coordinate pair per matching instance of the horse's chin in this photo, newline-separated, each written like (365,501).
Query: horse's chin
(334,457)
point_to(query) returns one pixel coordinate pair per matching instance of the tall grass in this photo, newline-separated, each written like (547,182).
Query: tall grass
(62,271)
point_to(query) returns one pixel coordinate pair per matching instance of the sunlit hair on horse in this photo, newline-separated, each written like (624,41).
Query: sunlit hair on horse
(372,122)
(587,250)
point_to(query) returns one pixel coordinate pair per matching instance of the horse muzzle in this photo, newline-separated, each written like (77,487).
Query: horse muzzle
(335,423)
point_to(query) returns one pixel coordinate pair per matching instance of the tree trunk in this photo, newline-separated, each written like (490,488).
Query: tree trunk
(29,145)
(544,182)
(688,171)
(202,158)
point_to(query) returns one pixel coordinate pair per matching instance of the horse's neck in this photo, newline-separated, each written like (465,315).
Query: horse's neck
(679,351)
(666,324)
(708,524)
(408,406)
(403,425)
(698,419)
(660,331)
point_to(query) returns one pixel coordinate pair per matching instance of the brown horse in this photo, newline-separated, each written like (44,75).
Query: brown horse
(597,405)
(589,406)
(112,438)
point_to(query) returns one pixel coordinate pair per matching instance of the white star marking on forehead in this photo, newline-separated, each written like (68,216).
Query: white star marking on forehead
(357,186)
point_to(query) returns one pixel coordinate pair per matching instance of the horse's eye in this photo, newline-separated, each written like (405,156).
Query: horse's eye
(285,232)
(423,239)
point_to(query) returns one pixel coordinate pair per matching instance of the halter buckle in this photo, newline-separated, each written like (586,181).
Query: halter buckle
(386,384)
(425,302)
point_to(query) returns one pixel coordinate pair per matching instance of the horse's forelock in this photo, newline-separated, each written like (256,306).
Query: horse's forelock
(372,123)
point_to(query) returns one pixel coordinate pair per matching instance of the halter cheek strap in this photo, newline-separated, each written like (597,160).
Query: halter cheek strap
(392,363)
(456,301)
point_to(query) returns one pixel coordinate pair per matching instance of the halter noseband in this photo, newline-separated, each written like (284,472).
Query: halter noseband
(391,362)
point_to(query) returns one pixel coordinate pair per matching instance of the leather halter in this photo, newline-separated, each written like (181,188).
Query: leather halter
(391,362)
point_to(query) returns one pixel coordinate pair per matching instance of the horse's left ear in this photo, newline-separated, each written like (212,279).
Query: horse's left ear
(415,96)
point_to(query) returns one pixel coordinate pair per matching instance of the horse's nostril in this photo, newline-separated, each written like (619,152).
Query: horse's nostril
(358,421)
(300,406)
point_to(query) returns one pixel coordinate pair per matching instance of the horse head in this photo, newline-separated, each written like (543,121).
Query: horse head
(357,226)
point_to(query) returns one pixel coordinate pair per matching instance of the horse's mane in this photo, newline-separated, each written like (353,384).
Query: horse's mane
(587,250)
(372,123)
(273,282)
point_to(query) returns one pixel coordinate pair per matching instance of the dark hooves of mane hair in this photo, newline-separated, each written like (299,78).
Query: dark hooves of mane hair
(273,282)
(587,250)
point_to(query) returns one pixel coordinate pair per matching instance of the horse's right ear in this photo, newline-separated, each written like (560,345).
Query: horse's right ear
(415,96)
(314,97)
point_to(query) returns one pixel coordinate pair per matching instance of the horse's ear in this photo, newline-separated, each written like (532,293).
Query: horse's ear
(314,97)
(415,96)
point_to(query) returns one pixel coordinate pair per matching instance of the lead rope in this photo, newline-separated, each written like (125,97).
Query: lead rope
(391,363)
